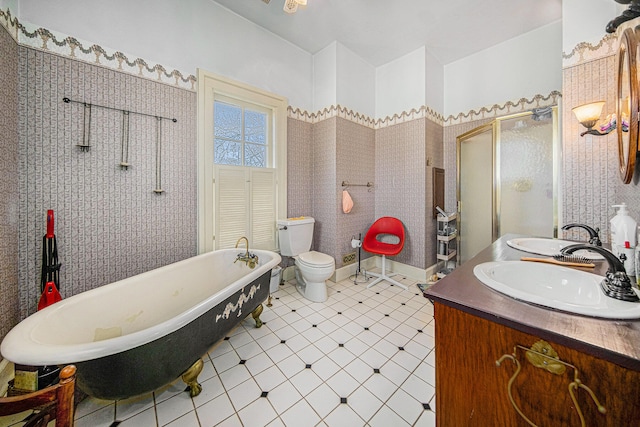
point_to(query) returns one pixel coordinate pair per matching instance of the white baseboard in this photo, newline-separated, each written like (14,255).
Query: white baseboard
(345,272)
(7,372)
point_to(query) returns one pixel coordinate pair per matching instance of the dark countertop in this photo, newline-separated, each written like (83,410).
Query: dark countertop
(617,341)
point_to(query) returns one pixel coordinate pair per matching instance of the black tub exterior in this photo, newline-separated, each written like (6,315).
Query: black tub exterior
(150,366)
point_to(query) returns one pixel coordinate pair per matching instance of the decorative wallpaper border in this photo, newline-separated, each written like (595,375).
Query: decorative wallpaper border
(586,52)
(50,41)
(522,105)
(496,110)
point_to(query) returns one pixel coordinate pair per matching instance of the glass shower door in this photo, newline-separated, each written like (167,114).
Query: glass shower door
(476,228)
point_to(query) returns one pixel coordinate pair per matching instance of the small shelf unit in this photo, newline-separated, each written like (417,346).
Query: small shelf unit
(447,243)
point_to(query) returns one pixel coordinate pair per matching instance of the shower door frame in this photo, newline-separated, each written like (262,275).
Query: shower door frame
(495,126)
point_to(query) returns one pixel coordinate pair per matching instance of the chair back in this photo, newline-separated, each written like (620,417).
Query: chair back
(55,402)
(384,225)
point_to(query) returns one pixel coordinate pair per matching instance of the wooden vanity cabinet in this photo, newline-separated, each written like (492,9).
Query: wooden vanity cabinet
(471,390)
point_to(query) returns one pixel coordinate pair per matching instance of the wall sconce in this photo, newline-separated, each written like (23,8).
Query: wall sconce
(589,114)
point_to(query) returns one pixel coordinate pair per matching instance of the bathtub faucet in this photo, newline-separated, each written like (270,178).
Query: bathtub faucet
(248,258)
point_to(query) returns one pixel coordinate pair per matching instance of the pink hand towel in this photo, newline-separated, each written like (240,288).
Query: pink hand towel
(347,203)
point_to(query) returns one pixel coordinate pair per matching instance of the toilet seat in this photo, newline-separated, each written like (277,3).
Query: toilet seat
(315,259)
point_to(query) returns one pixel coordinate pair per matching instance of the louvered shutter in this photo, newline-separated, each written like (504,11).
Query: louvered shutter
(263,208)
(231,206)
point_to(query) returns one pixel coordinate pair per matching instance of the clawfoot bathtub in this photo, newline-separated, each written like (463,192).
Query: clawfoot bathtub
(133,336)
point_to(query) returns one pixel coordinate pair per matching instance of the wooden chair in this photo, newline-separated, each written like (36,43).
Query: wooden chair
(55,402)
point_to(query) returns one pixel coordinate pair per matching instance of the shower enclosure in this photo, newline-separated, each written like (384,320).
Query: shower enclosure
(507,179)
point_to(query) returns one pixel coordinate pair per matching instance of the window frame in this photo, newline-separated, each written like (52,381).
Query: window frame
(247,105)
(209,86)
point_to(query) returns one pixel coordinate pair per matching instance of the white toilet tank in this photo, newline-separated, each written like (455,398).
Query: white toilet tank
(295,235)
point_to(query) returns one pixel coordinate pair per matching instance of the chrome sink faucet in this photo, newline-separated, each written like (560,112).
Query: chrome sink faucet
(594,238)
(616,283)
(247,257)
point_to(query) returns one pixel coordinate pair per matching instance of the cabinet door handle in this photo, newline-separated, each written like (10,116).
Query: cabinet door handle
(542,355)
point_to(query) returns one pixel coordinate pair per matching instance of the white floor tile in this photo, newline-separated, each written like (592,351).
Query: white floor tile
(344,416)
(128,408)
(385,417)
(103,417)
(259,413)
(187,420)
(343,383)
(244,393)
(323,400)
(275,387)
(211,389)
(173,408)
(305,381)
(406,406)
(380,386)
(270,378)
(259,363)
(300,415)
(291,366)
(284,397)
(215,411)
(146,418)
(395,373)
(234,376)
(364,403)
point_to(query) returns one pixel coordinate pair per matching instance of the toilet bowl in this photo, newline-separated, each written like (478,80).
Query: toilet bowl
(312,270)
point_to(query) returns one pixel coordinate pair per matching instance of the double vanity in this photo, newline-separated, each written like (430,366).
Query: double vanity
(569,356)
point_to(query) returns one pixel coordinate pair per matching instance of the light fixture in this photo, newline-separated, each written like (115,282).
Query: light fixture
(589,114)
(290,6)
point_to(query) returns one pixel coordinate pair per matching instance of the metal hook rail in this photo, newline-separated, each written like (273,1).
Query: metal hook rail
(68,100)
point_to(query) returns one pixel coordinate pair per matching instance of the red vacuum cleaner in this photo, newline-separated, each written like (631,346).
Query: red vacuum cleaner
(50,276)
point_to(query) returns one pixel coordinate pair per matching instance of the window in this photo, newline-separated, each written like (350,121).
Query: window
(241,134)
(241,163)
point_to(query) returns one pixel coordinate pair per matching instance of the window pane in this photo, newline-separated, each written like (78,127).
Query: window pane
(255,155)
(255,127)
(227,152)
(227,121)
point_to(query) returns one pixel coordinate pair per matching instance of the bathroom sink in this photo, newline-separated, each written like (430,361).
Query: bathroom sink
(549,247)
(555,287)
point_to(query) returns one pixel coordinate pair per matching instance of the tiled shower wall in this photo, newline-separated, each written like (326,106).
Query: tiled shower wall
(109,223)
(9,310)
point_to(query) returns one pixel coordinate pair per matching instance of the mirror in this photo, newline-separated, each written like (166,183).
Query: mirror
(627,104)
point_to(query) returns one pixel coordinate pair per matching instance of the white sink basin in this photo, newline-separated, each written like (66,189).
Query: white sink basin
(556,287)
(548,247)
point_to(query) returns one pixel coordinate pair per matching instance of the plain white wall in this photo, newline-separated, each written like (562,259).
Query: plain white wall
(434,81)
(325,85)
(585,21)
(356,82)
(184,35)
(524,66)
(400,84)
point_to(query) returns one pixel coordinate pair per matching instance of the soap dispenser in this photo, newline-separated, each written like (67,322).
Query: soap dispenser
(623,236)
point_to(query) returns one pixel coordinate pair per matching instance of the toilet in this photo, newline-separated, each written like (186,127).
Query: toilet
(312,268)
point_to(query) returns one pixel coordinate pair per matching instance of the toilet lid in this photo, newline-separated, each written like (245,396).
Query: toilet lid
(315,259)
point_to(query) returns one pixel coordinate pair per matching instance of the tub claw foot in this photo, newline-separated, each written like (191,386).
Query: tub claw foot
(190,377)
(256,315)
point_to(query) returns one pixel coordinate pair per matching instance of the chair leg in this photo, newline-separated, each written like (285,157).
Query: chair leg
(383,276)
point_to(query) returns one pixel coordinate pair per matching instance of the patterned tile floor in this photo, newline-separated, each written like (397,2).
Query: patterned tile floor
(365,357)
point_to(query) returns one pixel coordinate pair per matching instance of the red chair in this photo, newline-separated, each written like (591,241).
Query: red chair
(384,226)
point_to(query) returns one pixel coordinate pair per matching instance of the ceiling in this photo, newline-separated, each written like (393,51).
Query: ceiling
(380,31)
